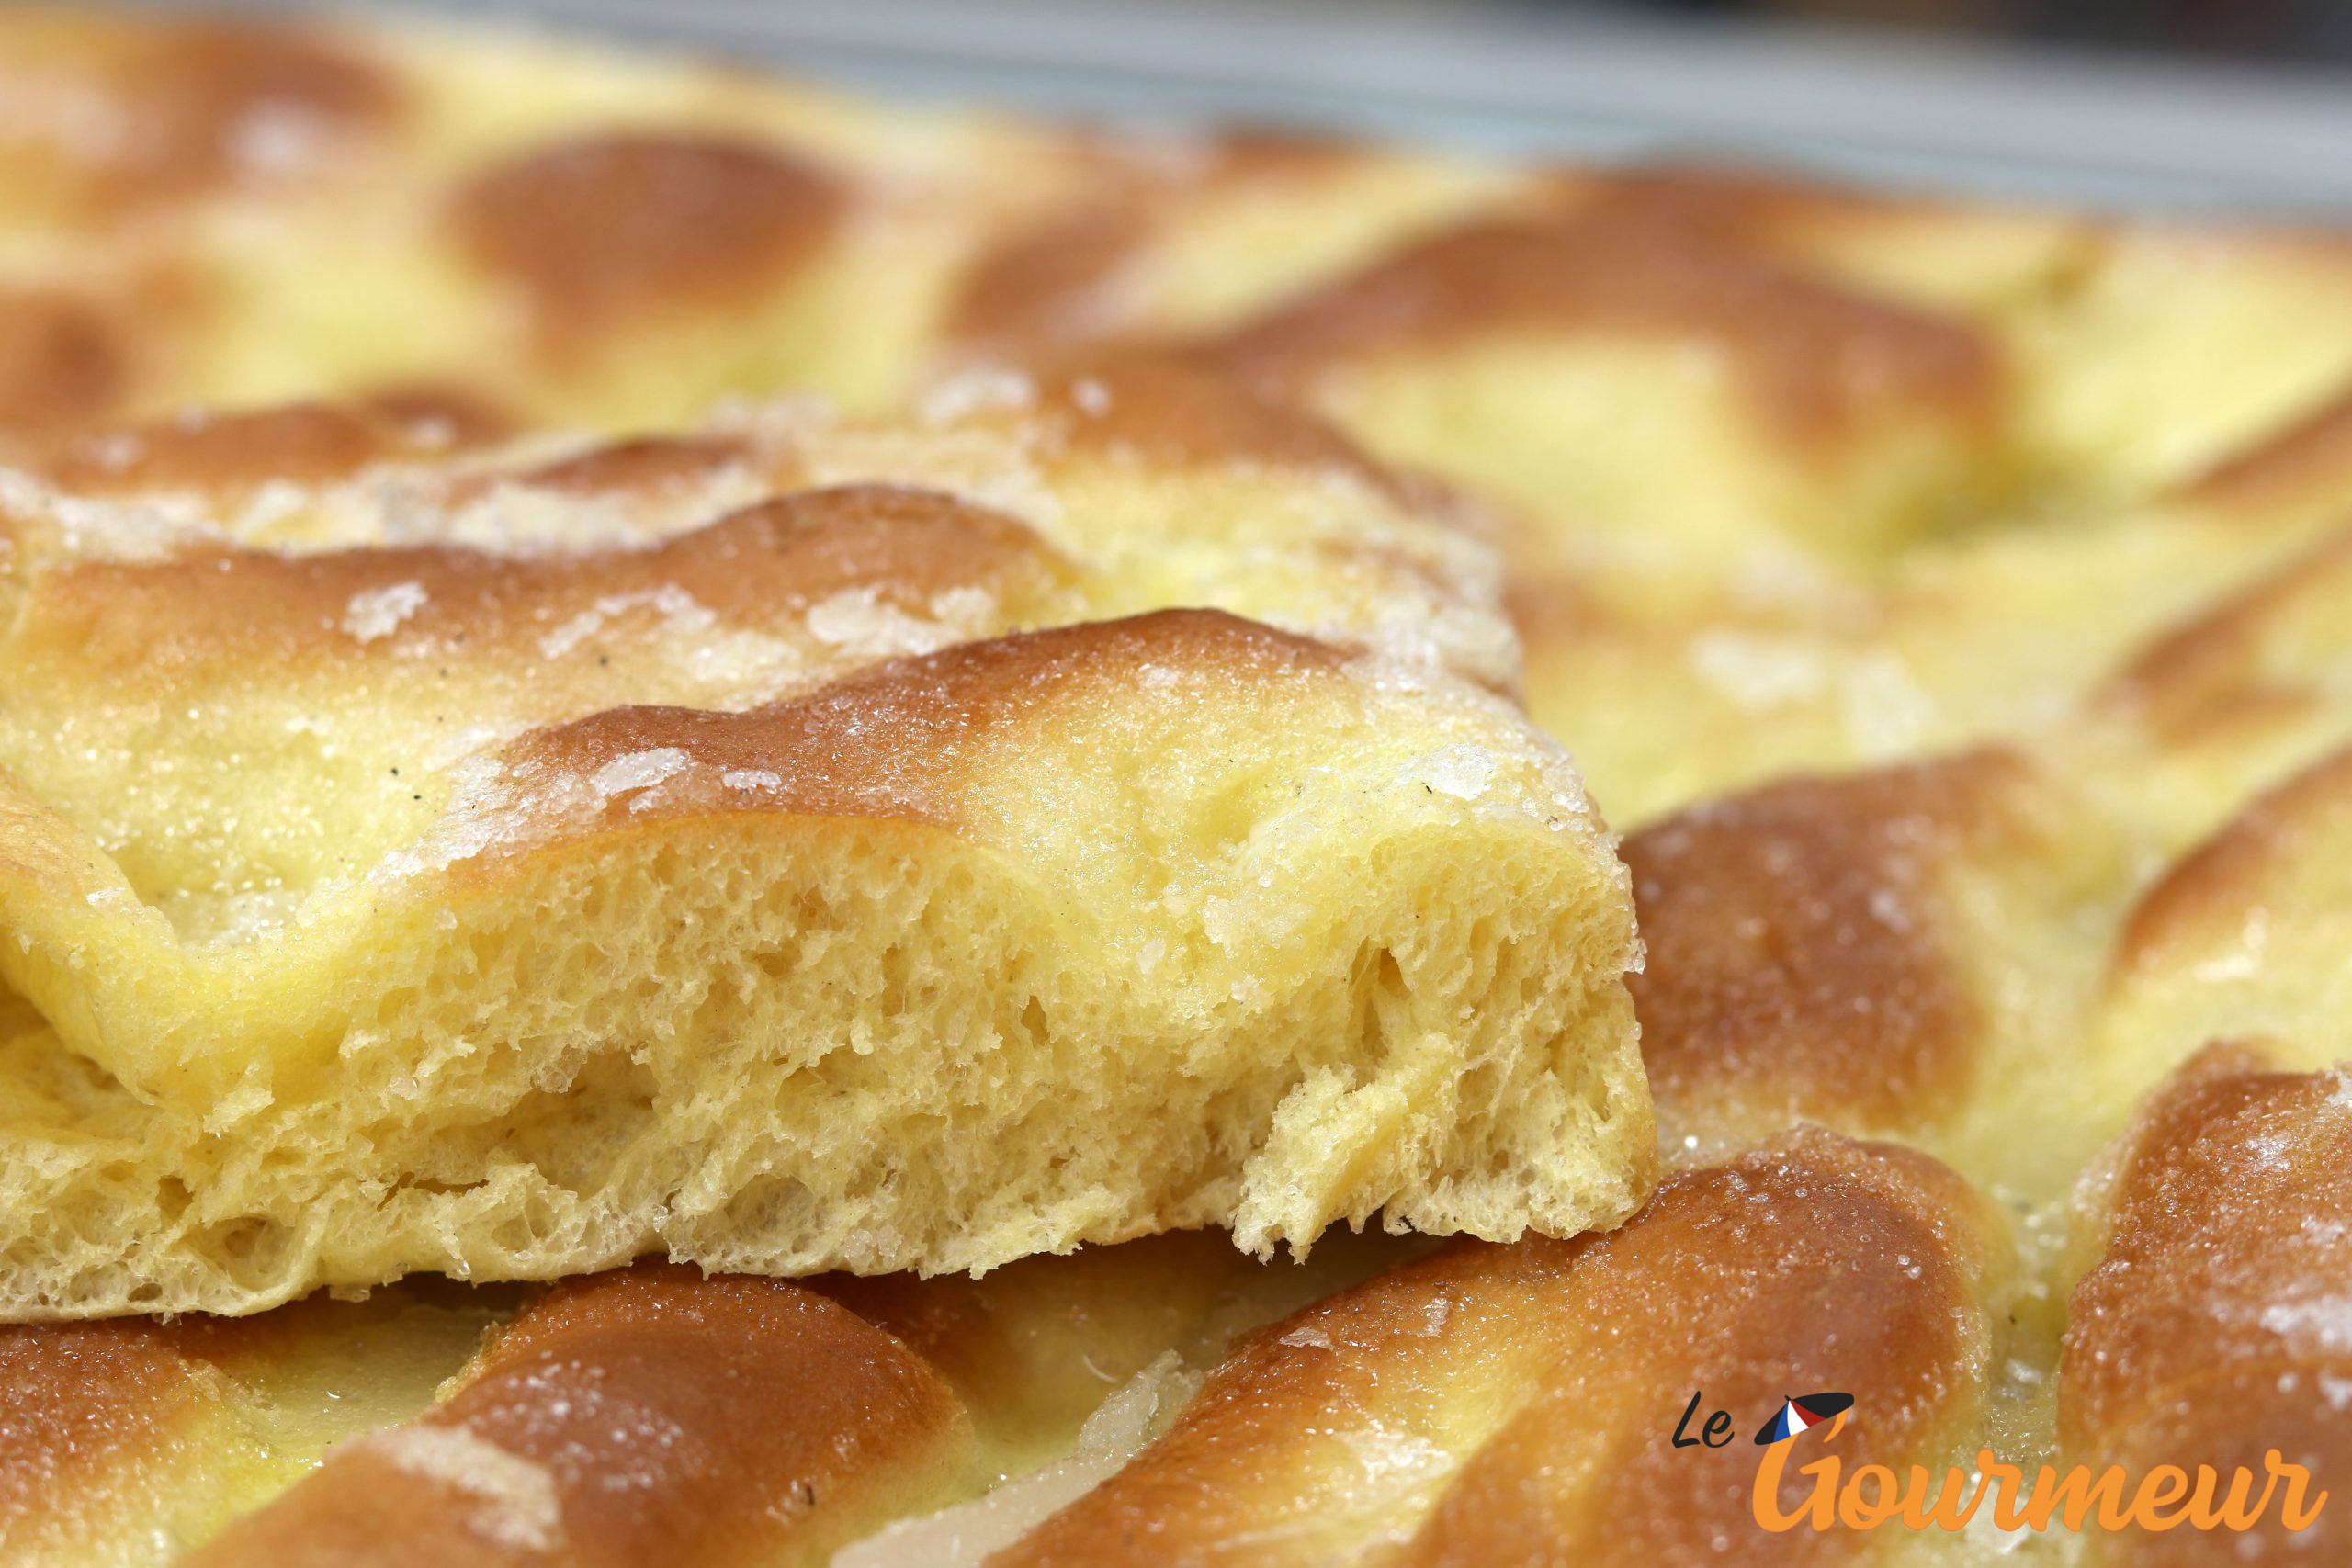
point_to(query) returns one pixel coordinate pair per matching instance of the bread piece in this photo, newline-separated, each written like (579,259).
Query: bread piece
(625,1419)
(114,1435)
(227,212)
(127,1441)
(2242,696)
(2242,939)
(1906,953)
(668,871)
(2208,1329)
(1804,476)
(2176,346)
(1495,1404)
(1962,467)
(1143,236)
(1480,1404)
(134,1442)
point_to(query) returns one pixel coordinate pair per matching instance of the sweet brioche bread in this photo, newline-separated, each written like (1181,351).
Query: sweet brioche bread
(1792,498)
(1804,477)
(1133,237)
(2208,1322)
(1950,600)
(1896,953)
(623,1419)
(1484,1404)
(2181,348)
(130,1440)
(1492,1403)
(1478,1405)
(127,1440)
(752,882)
(237,212)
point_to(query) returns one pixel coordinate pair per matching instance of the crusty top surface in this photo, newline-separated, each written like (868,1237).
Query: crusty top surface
(1866,886)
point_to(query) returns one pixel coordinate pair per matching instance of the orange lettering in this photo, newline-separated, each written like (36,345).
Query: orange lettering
(2074,1495)
(2291,1505)
(2005,1480)
(2234,1513)
(1855,1513)
(1947,1514)
(1764,1498)
(1871,1496)
(1824,1490)
(2159,1489)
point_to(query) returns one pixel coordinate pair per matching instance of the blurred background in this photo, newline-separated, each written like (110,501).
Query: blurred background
(2245,29)
(2243,106)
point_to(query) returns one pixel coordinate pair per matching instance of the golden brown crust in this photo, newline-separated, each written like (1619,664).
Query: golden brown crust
(443,415)
(63,363)
(1166,409)
(643,1416)
(1055,281)
(2312,454)
(1176,410)
(79,1401)
(1714,206)
(763,565)
(892,743)
(1043,285)
(1783,1271)
(204,102)
(2227,874)
(610,230)
(1802,952)
(645,462)
(1509,1404)
(2212,1329)
(2214,675)
(1817,361)
(295,444)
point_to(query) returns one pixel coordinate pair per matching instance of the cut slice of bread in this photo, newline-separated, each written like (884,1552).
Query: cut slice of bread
(786,874)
